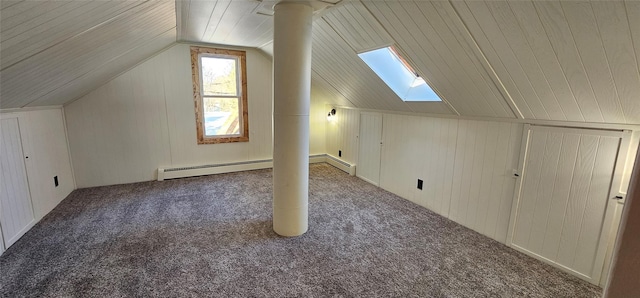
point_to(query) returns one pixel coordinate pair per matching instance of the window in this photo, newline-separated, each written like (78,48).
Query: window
(220,95)
(398,75)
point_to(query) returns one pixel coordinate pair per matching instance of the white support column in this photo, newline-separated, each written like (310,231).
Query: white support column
(291,101)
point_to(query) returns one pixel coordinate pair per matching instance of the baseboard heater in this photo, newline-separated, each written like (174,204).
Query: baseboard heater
(201,170)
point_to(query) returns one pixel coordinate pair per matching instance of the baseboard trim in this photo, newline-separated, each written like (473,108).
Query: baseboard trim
(165,173)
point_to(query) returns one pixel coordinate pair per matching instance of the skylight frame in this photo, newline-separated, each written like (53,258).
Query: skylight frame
(399,75)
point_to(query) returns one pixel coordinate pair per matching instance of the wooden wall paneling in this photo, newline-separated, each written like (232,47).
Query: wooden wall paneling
(580,187)
(16,215)
(336,62)
(370,138)
(326,92)
(65,62)
(465,165)
(633,17)
(43,15)
(449,149)
(416,52)
(523,64)
(486,84)
(499,205)
(562,215)
(592,218)
(544,196)
(534,32)
(69,23)
(45,142)
(566,168)
(95,78)
(323,69)
(531,180)
(561,38)
(198,17)
(490,174)
(464,67)
(471,199)
(14,17)
(494,58)
(584,28)
(612,20)
(442,55)
(233,16)
(462,146)
(15,7)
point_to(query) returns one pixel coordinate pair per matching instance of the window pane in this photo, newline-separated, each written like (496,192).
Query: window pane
(221,116)
(219,76)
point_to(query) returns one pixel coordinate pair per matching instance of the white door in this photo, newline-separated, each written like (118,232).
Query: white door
(369,148)
(16,213)
(561,213)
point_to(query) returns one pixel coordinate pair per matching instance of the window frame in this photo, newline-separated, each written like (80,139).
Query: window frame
(198,96)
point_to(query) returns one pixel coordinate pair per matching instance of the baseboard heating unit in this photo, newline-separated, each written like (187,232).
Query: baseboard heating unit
(210,169)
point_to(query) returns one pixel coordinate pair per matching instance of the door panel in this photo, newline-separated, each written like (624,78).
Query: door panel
(369,149)
(16,212)
(561,204)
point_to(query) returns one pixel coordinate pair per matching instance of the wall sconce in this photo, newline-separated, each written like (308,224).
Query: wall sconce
(331,115)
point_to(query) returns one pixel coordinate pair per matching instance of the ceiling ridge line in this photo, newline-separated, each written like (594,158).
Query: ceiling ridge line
(76,35)
(494,75)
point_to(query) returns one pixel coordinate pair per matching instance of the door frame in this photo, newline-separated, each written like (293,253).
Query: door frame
(6,243)
(614,188)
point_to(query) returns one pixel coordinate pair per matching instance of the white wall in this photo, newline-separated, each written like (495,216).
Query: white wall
(317,125)
(144,119)
(342,133)
(44,141)
(466,165)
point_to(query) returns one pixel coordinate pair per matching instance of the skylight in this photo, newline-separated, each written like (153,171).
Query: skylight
(398,75)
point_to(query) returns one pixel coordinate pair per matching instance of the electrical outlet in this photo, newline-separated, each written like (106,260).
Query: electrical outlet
(339,153)
(420,184)
(55,181)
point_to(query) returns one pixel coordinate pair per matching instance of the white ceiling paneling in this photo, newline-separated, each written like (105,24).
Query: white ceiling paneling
(87,51)
(615,21)
(52,26)
(439,51)
(561,60)
(340,67)
(91,80)
(353,22)
(328,93)
(224,22)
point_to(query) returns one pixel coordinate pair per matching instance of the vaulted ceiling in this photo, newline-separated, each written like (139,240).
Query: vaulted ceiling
(557,60)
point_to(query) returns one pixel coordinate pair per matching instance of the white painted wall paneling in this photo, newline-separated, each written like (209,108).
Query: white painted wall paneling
(563,211)
(342,134)
(16,211)
(44,140)
(144,119)
(465,165)
(370,146)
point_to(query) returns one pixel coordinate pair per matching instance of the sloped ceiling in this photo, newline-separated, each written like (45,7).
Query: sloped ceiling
(557,60)
(52,52)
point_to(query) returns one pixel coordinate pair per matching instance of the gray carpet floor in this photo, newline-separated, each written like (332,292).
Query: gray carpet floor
(212,236)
